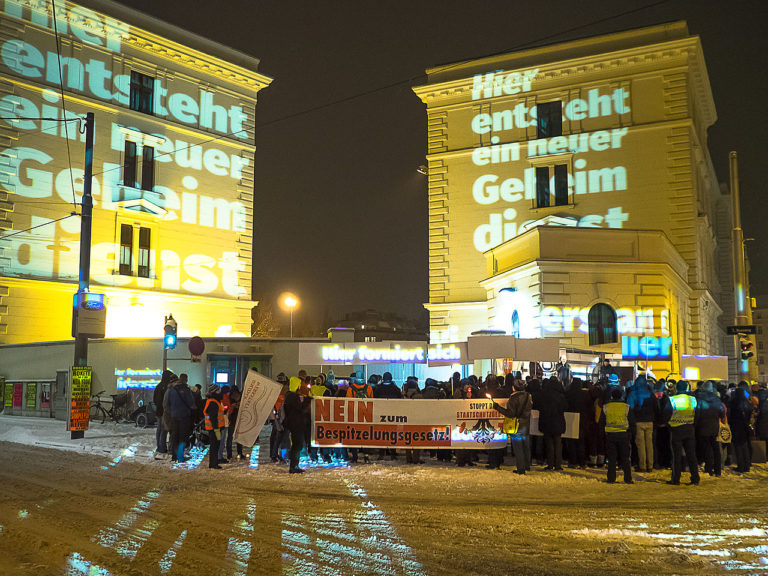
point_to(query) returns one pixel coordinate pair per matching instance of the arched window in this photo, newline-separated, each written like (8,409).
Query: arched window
(602,325)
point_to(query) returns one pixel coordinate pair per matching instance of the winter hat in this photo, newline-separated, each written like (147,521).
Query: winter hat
(213,388)
(387,377)
(282,378)
(682,386)
(616,394)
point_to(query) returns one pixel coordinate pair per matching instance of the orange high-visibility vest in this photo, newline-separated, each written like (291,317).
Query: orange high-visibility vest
(222,416)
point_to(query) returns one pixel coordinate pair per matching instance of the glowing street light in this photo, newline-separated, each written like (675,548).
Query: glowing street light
(290,301)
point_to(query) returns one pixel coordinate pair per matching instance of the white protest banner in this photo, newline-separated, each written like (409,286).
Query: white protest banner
(259,397)
(390,423)
(571,424)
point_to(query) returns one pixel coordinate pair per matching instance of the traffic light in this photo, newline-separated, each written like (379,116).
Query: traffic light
(747,348)
(169,340)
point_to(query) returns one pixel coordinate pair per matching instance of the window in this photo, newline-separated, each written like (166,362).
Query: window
(147,168)
(126,249)
(602,325)
(142,89)
(144,236)
(129,164)
(549,119)
(544,186)
(143,252)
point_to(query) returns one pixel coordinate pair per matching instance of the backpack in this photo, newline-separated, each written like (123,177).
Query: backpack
(361,392)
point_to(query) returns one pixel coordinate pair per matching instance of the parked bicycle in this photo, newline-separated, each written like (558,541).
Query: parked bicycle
(116,408)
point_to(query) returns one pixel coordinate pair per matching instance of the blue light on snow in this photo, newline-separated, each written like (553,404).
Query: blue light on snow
(239,547)
(166,562)
(79,566)
(125,539)
(129,452)
(196,456)
(253,462)
(23,514)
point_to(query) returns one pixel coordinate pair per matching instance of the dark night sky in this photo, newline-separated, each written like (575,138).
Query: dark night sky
(340,211)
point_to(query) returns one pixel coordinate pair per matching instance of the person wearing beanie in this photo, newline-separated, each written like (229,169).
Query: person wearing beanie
(296,406)
(680,413)
(214,422)
(161,434)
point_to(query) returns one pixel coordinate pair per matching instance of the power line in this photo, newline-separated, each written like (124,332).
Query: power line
(63,106)
(463,62)
(38,226)
(21,118)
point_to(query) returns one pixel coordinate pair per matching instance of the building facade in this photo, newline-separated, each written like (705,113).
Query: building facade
(173,169)
(572,195)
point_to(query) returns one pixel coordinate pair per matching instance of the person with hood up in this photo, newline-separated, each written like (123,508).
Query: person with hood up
(519,406)
(552,405)
(214,422)
(711,411)
(739,417)
(179,404)
(645,412)
(161,433)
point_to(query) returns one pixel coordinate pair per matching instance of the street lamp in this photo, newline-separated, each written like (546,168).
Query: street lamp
(291,302)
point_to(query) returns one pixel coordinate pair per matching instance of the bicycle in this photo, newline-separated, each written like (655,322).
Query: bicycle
(116,410)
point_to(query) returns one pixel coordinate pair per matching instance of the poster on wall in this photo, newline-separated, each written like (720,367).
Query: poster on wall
(80,399)
(18,391)
(385,423)
(259,397)
(31,395)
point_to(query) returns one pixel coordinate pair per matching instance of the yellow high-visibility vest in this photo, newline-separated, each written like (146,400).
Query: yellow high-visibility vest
(683,410)
(616,417)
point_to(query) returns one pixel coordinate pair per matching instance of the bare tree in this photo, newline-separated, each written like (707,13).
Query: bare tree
(264,324)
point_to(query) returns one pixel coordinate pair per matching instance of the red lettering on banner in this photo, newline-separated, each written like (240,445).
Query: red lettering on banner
(338,410)
(322,409)
(365,411)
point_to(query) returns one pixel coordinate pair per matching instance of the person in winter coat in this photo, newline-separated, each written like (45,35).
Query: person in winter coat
(617,419)
(296,407)
(577,395)
(214,421)
(680,414)
(232,412)
(761,424)
(413,455)
(493,389)
(463,456)
(711,411)
(358,389)
(179,404)
(386,388)
(161,434)
(277,418)
(225,430)
(197,415)
(645,411)
(739,416)
(519,406)
(552,406)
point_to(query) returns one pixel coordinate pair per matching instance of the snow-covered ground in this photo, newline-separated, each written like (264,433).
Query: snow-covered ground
(104,506)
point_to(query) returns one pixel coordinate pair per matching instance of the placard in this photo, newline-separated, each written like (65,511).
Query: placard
(80,399)
(31,395)
(385,423)
(259,397)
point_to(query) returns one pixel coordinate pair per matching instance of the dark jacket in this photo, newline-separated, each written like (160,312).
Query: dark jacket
(159,393)
(642,401)
(761,426)
(181,402)
(387,390)
(551,404)
(519,406)
(710,409)
(295,411)
(739,415)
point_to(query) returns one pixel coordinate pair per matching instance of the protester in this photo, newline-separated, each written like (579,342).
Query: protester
(579,402)
(551,404)
(740,415)
(161,434)
(214,422)
(519,407)
(645,411)
(232,412)
(296,406)
(711,411)
(225,402)
(178,406)
(386,388)
(277,418)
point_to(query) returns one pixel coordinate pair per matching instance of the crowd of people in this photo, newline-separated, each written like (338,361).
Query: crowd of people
(644,423)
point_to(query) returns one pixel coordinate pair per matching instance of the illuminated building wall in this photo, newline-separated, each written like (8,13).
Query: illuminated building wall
(173,172)
(605,134)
